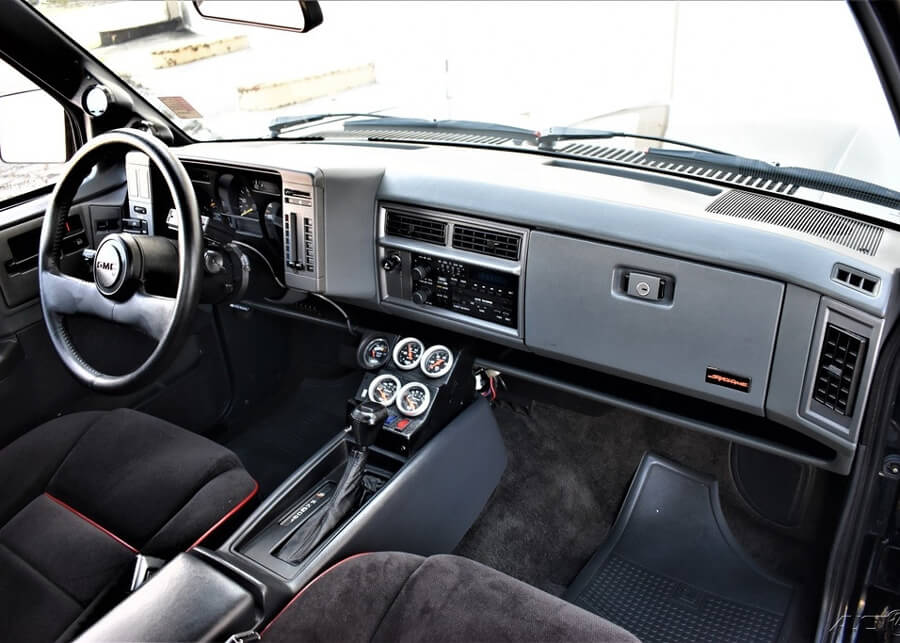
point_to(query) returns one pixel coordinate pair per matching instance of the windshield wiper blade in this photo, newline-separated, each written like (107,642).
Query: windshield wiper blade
(282,123)
(557,134)
(462,127)
(804,177)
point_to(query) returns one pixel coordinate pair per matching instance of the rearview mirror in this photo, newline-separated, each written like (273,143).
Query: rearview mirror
(32,128)
(301,15)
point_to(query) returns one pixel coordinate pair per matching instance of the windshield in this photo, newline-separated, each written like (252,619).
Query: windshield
(784,82)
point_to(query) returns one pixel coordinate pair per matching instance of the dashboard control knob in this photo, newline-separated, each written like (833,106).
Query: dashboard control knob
(421,295)
(390,262)
(421,271)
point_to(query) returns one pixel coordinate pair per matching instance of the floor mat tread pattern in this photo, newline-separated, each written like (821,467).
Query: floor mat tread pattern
(656,608)
(671,570)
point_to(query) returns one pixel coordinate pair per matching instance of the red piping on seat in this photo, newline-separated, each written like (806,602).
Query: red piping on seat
(90,522)
(228,515)
(310,584)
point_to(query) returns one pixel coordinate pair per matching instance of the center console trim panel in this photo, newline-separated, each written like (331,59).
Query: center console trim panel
(416,511)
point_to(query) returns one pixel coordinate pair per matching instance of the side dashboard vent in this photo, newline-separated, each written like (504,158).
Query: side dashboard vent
(857,235)
(504,245)
(840,366)
(416,227)
(855,279)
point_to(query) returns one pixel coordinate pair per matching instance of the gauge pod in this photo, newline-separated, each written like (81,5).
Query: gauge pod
(374,352)
(96,100)
(383,389)
(407,353)
(413,399)
(436,361)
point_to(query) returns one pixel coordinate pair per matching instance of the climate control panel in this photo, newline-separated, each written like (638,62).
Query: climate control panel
(302,225)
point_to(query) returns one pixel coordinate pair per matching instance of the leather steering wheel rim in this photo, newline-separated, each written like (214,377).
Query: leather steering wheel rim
(168,320)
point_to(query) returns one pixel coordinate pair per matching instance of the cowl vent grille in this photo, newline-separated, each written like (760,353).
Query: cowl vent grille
(857,235)
(840,365)
(487,242)
(430,136)
(688,169)
(415,227)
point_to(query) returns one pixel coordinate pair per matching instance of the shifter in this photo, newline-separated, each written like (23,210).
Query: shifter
(366,421)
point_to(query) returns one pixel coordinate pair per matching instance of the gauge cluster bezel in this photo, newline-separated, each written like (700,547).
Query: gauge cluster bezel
(446,368)
(396,353)
(382,378)
(425,405)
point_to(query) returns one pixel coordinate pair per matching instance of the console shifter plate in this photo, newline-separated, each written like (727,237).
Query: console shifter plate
(299,513)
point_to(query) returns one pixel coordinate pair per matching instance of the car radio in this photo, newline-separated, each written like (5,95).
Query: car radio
(466,289)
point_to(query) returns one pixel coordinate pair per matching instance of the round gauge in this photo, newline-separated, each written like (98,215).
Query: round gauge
(413,399)
(375,353)
(437,361)
(383,389)
(97,100)
(246,206)
(407,353)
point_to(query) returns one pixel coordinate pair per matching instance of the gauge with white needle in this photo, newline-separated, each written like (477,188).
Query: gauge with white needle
(383,389)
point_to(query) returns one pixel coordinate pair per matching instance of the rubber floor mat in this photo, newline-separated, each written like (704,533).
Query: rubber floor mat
(671,571)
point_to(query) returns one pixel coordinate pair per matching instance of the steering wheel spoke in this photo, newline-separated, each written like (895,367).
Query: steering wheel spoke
(66,295)
(148,313)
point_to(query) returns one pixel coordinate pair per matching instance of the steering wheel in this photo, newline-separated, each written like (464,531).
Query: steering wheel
(120,267)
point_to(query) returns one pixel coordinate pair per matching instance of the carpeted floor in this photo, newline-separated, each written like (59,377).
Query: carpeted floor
(291,427)
(567,475)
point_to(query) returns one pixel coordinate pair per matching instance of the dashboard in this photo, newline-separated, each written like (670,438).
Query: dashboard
(673,285)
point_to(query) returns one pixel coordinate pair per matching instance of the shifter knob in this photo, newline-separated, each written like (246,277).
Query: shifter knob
(366,421)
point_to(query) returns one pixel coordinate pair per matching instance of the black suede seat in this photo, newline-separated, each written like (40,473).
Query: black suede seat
(394,597)
(83,493)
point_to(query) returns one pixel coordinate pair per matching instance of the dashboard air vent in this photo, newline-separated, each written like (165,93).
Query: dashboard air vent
(504,245)
(855,279)
(415,227)
(857,235)
(839,369)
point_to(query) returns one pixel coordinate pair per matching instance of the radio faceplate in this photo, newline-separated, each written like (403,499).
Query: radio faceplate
(466,289)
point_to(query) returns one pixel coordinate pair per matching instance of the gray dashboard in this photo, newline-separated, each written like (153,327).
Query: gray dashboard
(740,308)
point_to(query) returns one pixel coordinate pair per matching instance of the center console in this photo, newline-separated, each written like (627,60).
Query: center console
(402,476)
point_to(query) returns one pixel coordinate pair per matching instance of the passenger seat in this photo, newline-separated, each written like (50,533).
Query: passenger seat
(396,597)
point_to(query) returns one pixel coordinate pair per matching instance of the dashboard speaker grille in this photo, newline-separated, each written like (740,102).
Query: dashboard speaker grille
(416,227)
(857,235)
(487,242)
(840,364)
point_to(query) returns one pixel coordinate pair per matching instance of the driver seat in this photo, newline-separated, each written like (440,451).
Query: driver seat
(83,495)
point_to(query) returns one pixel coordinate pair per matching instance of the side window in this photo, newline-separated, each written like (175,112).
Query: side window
(32,135)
